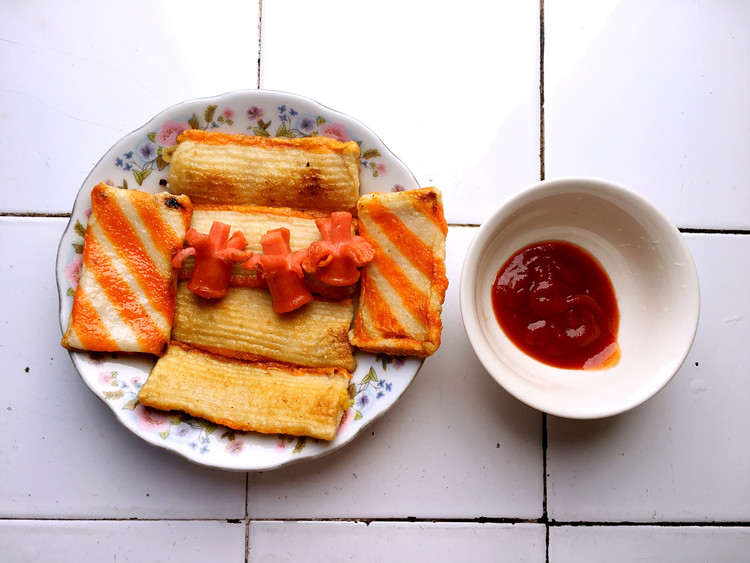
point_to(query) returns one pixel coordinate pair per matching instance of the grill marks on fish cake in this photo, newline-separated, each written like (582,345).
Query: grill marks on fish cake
(146,325)
(404,286)
(394,277)
(90,331)
(125,298)
(142,245)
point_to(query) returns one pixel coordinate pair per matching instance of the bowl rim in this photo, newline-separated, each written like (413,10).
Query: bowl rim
(470,316)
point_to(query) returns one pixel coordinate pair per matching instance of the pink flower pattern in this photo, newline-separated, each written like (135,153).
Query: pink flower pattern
(151,419)
(107,377)
(334,131)
(73,271)
(346,419)
(167,135)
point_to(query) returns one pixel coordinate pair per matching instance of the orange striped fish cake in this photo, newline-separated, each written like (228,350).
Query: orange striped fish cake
(403,288)
(125,298)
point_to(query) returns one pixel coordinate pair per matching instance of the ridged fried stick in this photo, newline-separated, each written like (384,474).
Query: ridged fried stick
(311,173)
(261,397)
(244,325)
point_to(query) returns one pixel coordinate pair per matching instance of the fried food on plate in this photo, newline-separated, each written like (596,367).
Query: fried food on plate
(244,325)
(253,222)
(403,288)
(314,173)
(261,397)
(125,298)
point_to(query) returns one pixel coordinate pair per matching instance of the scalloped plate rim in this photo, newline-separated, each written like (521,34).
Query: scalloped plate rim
(80,202)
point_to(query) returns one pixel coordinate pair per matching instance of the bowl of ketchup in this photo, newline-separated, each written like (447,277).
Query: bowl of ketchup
(580,297)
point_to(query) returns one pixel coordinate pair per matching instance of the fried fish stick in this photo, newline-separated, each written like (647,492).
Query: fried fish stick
(403,288)
(244,325)
(261,397)
(253,222)
(314,173)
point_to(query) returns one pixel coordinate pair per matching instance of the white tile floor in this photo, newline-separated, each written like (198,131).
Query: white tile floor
(72,541)
(452,92)
(81,75)
(620,544)
(395,541)
(650,94)
(683,456)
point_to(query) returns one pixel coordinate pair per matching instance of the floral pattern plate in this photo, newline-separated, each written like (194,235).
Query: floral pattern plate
(135,162)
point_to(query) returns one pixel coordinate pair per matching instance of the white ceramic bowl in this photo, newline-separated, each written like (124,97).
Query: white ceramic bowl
(650,267)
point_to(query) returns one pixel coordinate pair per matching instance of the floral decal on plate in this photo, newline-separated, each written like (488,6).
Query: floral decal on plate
(296,124)
(369,389)
(142,160)
(147,156)
(72,271)
(362,396)
(197,433)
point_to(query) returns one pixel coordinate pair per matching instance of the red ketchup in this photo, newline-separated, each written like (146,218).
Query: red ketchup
(556,303)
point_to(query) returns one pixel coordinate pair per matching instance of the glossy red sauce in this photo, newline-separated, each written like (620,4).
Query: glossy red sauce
(556,303)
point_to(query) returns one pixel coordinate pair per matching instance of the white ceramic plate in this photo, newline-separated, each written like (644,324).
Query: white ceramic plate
(135,162)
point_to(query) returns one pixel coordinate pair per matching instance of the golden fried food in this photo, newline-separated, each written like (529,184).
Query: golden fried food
(253,222)
(261,397)
(244,325)
(314,173)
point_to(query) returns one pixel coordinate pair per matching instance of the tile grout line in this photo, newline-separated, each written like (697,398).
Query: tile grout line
(542,174)
(247,517)
(33,215)
(247,474)
(512,521)
(409,520)
(260,38)
(683,230)
(542,164)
